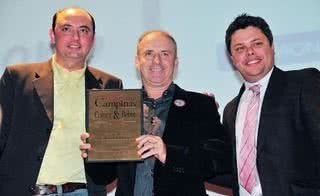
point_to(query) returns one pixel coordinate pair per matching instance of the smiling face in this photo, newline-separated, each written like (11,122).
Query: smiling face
(251,53)
(73,37)
(156,60)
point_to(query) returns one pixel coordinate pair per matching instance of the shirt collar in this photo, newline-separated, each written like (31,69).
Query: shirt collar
(166,94)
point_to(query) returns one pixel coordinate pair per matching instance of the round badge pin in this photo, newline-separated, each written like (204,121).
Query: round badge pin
(179,102)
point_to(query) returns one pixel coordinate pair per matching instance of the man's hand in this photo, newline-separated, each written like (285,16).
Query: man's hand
(84,146)
(151,145)
(212,95)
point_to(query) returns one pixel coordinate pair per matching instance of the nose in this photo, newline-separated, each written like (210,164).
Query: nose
(156,58)
(76,35)
(250,51)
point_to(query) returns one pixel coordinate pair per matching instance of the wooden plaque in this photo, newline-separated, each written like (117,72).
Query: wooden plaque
(114,121)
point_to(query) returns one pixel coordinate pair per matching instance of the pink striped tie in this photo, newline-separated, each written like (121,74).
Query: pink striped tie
(247,157)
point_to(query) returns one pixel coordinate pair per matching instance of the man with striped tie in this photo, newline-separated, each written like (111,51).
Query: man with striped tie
(275,119)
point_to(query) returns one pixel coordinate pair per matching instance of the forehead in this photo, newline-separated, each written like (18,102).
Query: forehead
(247,34)
(156,41)
(74,16)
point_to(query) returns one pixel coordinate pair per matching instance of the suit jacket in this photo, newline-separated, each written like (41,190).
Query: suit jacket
(288,144)
(26,98)
(196,148)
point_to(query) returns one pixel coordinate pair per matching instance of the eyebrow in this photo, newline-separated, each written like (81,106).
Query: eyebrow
(152,50)
(169,51)
(85,26)
(82,26)
(257,39)
(239,44)
(65,25)
(254,40)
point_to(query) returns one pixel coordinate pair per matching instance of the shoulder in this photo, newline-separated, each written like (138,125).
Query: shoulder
(293,79)
(194,97)
(235,100)
(101,74)
(231,104)
(25,69)
(302,78)
(303,74)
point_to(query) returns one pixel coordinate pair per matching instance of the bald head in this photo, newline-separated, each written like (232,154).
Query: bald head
(70,10)
(157,33)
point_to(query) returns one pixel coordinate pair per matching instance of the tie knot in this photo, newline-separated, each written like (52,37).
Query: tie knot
(255,88)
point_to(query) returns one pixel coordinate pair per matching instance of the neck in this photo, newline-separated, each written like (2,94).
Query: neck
(155,92)
(70,65)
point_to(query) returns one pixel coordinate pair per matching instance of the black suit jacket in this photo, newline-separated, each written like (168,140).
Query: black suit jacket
(26,98)
(288,145)
(196,149)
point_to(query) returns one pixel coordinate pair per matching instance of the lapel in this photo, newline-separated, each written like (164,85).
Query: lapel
(271,101)
(92,81)
(43,84)
(233,112)
(231,122)
(176,114)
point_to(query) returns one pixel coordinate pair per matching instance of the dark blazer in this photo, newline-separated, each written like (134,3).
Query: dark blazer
(288,145)
(26,98)
(196,149)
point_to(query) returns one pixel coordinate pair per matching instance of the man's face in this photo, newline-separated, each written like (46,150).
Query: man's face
(251,53)
(156,60)
(73,36)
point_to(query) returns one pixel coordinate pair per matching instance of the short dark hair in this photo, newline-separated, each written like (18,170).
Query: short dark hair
(54,19)
(166,34)
(243,21)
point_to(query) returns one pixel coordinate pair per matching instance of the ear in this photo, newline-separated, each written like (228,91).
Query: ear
(137,63)
(176,63)
(175,69)
(94,38)
(52,36)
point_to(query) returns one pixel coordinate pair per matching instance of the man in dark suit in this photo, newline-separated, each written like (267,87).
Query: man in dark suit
(183,140)
(43,114)
(274,121)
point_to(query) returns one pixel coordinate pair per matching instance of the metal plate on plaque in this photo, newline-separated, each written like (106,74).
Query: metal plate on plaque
(114,121)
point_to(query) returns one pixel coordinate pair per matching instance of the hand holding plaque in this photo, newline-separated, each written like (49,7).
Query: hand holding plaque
(114,121)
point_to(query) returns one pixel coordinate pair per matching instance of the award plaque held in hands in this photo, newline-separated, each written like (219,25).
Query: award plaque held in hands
(114,121)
